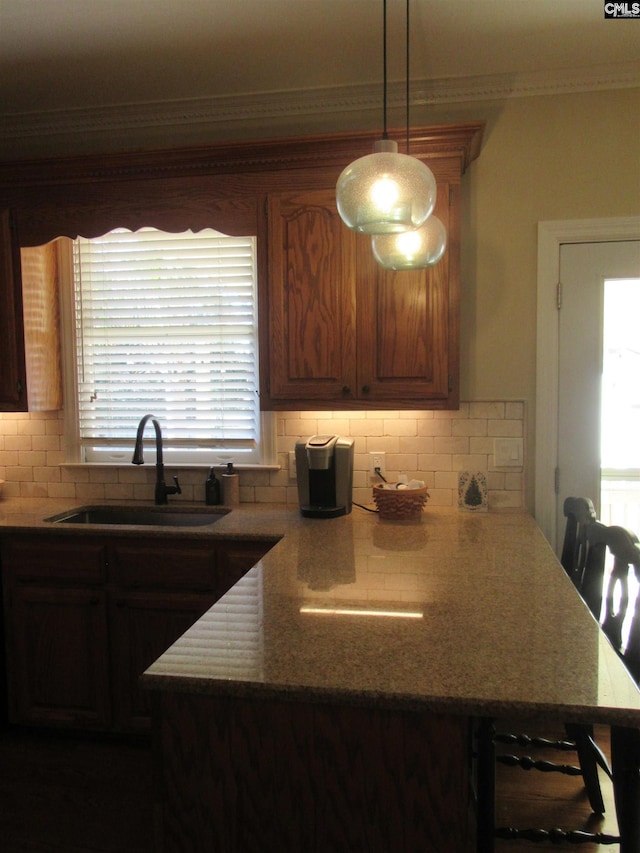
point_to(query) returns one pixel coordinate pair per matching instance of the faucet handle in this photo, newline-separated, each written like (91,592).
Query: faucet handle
(178,490)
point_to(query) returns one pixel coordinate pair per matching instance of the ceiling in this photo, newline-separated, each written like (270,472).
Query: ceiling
(66,55)
(56,54)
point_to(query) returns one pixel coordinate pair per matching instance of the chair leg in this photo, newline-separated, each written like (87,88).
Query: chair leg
(486,786)
(625,761)
(589,757)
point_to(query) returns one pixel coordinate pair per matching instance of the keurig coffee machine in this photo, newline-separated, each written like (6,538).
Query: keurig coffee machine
(324,469)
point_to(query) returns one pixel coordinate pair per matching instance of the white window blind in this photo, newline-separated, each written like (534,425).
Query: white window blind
(167,324)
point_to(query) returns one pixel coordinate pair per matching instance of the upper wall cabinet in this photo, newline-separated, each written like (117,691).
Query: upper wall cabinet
(13,374)
(336,331)
(343,333)
(30,379)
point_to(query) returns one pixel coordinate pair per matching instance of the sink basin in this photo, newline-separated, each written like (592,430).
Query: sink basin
(143,516)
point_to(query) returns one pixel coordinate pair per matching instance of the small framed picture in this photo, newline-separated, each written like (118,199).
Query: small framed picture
(473,494)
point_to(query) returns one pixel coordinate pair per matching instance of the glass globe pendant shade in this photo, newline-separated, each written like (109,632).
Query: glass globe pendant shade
(411,250)
(385,192)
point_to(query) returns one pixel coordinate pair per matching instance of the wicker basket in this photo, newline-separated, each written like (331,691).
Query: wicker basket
(400,504)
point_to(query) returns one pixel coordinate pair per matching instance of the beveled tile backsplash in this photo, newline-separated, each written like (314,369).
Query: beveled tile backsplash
(431,446)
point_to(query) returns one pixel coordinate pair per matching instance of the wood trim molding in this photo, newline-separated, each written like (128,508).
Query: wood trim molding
(238,110)
(461,140)
(193,187)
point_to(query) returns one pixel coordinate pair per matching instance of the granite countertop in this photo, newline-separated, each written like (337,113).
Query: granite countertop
(465,613)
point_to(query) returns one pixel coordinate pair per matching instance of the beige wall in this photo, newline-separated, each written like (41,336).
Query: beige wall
(556,157)
(544,158)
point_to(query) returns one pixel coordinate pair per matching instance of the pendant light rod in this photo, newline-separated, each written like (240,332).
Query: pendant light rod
(407,72)
(385,135)
(385,192)
(421,247)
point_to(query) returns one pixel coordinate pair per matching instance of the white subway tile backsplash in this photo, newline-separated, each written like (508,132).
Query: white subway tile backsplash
(433,446)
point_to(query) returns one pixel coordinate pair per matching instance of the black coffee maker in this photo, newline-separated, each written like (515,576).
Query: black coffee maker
(324,469)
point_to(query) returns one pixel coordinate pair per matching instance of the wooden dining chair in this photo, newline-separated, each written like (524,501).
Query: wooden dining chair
(583,558)
(579,513)
(621,623)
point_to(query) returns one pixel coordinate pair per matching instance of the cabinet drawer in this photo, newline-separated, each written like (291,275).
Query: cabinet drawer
(157,564)
(60,559)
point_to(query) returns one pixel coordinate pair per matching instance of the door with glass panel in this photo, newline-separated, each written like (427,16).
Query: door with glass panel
(599,380)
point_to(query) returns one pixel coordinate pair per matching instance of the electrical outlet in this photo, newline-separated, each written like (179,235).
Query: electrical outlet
(376,460)
(293,474)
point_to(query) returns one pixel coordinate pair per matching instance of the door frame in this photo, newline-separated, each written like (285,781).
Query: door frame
(551,235)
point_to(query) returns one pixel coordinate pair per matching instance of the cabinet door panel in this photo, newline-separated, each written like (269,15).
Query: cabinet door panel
(13,375)
(311,299)
(404,328)
(143,626)
(57,656)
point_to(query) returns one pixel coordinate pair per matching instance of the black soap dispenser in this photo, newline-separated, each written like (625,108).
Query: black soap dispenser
(212,490)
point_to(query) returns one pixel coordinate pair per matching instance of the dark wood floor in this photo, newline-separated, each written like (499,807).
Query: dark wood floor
(70,794)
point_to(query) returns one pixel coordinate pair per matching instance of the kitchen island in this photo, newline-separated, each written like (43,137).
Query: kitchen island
(327,700)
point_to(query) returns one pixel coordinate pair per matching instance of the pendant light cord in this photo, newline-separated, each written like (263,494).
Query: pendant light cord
(385,135)
(384,69)
(407,72)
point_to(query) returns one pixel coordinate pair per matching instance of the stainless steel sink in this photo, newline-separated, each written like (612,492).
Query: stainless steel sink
(159,516)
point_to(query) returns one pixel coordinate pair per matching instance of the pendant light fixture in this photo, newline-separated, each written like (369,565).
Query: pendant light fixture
(411,250)
(425,245)
(385,192)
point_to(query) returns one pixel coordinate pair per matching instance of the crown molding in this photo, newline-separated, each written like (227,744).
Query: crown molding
(272,106)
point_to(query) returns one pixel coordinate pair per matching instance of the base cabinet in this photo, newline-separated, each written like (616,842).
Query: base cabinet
(85,616)
(58,649)
(240,775)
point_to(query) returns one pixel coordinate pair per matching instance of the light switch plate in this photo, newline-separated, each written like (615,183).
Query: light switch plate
(293,475)
(508,452)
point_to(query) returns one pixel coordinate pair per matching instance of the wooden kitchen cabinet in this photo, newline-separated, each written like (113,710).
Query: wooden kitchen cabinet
(13,376)
(56,632)
(85,616)
(335,331)
(345,333)
(159,590)
(311,302)
(144,623)
(31,377)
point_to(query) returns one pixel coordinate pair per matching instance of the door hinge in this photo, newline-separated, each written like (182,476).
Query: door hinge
(556,481)
(559,295)
(450,379)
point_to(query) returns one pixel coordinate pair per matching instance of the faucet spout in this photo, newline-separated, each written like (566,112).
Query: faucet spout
(161,490)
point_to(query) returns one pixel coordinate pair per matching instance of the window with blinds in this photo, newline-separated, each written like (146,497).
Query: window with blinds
(167,324)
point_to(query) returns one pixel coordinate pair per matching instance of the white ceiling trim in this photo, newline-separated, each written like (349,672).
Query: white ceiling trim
(326,101)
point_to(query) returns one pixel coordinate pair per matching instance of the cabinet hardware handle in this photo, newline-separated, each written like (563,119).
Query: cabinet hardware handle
(365,389)
(346,389)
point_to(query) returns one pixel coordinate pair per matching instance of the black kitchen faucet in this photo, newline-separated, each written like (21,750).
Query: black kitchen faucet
(162,490)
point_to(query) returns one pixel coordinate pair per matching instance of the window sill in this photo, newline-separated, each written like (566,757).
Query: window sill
(176,466)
